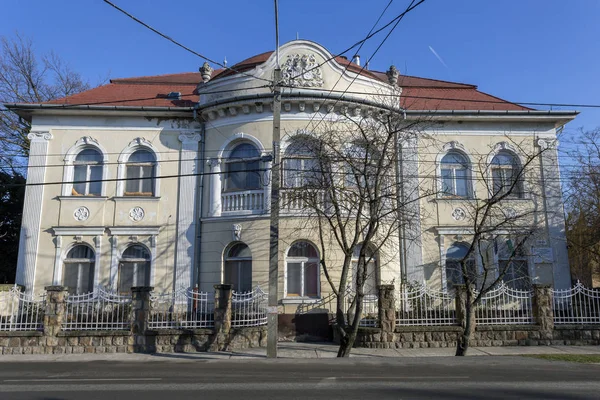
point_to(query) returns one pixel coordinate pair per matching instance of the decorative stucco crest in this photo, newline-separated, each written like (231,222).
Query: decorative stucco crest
(546,144)
(302,70)
(81,214)
(509,212)
(459,214)
(140,141)
(136,214)
(236,230)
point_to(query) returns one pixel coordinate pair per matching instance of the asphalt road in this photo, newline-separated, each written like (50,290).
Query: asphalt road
(399,378)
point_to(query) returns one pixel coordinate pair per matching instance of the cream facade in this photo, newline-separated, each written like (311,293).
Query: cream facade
(136,194)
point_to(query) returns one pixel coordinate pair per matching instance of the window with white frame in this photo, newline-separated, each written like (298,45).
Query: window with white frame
(302,271)
(512,261)
(140,174)
(78,271)
(506,171)
(370,261)
(87,173)
(301,168)
(455,175)
(454,265)
(238,267)
(134,268)
(242,168)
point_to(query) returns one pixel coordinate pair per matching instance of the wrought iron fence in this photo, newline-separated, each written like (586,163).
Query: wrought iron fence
(249,309)
(576,305)
(421,305)
(99,310)
(370,308)
(21,312)
(186,308)
(505,306)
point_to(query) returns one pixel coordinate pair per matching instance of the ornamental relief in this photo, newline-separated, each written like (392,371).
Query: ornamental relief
(301,70)
(136,214)
(81,214)
(459,214)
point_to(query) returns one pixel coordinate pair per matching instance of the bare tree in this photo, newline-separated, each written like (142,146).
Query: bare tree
(583,209)
(344,180)
(500,232)
(26,77)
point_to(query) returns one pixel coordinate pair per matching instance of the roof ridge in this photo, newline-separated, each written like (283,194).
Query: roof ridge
(470,85)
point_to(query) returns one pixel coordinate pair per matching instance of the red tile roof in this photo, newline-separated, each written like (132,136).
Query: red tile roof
(418,93)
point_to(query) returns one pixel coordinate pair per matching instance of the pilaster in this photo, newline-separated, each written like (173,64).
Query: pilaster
(186,210)
(555,212)
(32,209)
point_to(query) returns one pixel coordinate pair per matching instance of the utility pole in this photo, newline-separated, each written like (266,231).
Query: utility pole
(272,331)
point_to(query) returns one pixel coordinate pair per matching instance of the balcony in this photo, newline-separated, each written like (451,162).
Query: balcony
(244,202)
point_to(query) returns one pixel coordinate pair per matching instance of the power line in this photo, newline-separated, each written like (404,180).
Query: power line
(179,44)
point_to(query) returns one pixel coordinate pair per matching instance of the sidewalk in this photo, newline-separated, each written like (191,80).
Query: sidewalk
(291,350)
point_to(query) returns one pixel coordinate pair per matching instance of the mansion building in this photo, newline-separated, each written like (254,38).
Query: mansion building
(164,181)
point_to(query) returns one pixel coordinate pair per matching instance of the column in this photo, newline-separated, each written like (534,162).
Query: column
(214,206)
(555,213)
(114,263)
(387,312)
(55,310)
(140,315)
(97,264)
(543,313)
(411,220)
(223,294)
(57,279)
(186,210)
(32,209)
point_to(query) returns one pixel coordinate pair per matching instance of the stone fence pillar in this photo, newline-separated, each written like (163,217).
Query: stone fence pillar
(461,309)
(223,294)
(139,317)
(55,310)
(387,312)
(543,313)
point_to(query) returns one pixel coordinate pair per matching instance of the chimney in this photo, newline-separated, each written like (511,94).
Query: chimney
(356,59)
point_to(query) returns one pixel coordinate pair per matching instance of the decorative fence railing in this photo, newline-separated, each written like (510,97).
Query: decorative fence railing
(505,306)
(248,200)
(99,310)
(420,305)
(249,309)
(21,312)
(186,308)
(576,305)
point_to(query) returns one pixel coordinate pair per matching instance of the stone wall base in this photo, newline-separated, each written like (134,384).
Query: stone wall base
(499,335)
(162,341)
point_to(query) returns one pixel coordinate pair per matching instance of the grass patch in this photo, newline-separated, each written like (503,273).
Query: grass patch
(579,358)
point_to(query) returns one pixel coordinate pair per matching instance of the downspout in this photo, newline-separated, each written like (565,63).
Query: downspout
(199,200)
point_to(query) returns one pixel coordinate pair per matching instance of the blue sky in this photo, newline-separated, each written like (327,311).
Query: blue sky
(522,50)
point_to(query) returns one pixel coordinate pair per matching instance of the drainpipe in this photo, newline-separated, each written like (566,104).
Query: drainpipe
(200,203)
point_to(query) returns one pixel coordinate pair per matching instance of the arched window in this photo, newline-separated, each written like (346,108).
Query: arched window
(302,271)
(78,271)
(454,273)
(140,174)
(300,164)
(242,171)
(370,285)
(87,173)
(134,268)
(454,171)
(505,172)
(238,267)
(512,262)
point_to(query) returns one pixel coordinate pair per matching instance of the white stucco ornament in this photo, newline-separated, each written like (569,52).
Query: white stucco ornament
(136,214)
(459,214)
(81,214)
(301,70)
(236,230)
(510,212)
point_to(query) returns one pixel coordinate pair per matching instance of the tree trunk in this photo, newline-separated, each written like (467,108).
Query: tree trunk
(464,339)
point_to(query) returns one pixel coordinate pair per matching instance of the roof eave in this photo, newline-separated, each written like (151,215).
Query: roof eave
(559,117)
(28,110)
